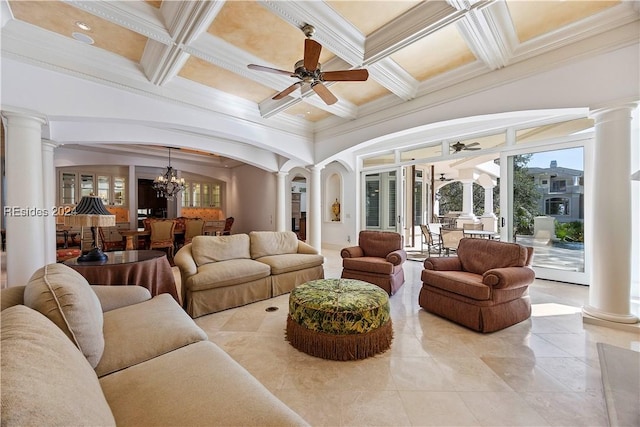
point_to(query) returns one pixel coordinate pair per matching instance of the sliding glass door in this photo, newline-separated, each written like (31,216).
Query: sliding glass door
(544,207)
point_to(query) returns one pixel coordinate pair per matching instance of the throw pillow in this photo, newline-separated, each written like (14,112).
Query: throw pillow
(64,296)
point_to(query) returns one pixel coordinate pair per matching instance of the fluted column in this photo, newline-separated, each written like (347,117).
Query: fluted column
(24,209)
(50,202)
(281,202)
(609,290)
(314,217)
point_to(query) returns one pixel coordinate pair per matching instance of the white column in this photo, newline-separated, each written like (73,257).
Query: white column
(132,197)
(25,202)
(50,202)
(467,215)
(281,201)
(489,218)
(314,216)
(609,290)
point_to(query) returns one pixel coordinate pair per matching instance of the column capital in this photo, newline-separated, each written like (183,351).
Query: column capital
(16,113)
(282,174)
(599,113)
(47,143)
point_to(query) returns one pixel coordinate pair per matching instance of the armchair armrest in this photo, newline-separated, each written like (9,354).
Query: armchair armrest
(185,262)
(443,264)
(352,252)
(304,248)
(397,257)
(112,297)
(508,277)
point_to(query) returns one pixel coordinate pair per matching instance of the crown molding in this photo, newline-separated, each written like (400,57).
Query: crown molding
(393,77)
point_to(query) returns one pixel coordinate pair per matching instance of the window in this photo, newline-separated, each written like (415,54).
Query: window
(558,185)
(373,203)
(557,206)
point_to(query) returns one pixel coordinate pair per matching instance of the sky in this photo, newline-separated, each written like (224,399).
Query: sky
(571,158)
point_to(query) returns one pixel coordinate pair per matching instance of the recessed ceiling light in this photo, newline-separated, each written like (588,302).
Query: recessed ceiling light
(82,38)
(83,26)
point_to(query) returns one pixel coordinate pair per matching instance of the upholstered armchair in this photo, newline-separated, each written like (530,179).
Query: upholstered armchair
(162,235)
(377,259)
(485,287)
(111,239)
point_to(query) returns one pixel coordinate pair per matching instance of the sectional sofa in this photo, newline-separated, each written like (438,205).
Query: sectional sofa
(79,355)
(220,272)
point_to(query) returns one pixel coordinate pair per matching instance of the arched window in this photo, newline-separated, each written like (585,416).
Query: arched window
(557,206)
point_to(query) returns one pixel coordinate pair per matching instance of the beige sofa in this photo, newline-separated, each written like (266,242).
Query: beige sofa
(220,272)
(141,362)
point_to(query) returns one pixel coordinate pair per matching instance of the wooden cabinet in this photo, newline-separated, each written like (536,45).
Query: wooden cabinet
(295,211)
(73,185)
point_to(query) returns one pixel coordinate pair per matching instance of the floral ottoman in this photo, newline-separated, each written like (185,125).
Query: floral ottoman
(339,319)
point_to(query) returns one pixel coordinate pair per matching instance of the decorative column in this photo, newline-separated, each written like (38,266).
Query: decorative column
(50,202)
(609,290)
(24,210)
(132,186)
(489,218)
(281,199)
(314,217)
(467,215)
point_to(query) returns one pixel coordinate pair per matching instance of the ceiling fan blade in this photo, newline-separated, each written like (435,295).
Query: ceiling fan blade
(472,148)
(287,91)
(473,144)
(324,93)
(311,54)
(345,75)
(270,70)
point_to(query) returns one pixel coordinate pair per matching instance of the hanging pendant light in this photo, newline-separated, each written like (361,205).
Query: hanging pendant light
(168,185)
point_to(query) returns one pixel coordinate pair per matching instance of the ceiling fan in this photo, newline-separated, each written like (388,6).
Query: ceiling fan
(442,178)
(308,70)
(459,146)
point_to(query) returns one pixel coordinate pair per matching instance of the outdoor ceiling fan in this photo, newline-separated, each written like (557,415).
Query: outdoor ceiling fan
(459,146)
(442,178)
(308,71)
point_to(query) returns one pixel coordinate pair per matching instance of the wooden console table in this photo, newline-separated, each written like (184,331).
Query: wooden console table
(149,269)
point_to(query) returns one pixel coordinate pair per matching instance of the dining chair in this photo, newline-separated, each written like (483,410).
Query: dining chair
(450,238)
(428,238)
(472,226)
(193,227)
(162,235)
(111,239)
(227,226)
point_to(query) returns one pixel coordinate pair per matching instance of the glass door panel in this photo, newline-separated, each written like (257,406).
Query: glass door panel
(68,189)
(380,200)
(103,188)
(547,210)
(86,185)
(119,195)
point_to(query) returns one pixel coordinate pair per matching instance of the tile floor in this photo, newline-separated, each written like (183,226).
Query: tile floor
(541,372)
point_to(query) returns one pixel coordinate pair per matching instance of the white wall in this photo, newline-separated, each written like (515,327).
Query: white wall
(252,199)
(338,234)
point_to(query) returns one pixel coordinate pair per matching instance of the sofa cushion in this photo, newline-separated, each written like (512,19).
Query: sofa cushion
(369,264)
(64,296)
(137,333)
(286,263)
(459,282)
(227,273)
(208,249)
(46,381)
(480,255)
(198,384)
(265,243)
(11,296)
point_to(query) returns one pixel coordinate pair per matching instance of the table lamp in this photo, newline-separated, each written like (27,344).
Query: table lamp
(90,212)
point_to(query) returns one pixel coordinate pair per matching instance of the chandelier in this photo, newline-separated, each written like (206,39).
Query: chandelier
(168,185)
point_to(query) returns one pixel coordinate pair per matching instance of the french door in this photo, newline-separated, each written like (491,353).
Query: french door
(542,205)
(382,205)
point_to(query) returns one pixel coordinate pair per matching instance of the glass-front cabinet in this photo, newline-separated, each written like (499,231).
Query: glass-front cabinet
(110,187)
(202,195)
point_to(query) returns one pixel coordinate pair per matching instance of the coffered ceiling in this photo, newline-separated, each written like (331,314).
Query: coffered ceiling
(410,48)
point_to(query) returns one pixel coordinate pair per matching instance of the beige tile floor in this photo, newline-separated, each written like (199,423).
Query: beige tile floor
(541,372)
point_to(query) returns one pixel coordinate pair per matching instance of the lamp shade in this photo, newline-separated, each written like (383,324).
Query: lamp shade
(90,212)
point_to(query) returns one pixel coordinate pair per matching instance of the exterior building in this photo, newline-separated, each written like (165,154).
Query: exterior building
(562,192)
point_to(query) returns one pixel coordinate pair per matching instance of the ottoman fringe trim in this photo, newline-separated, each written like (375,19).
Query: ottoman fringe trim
(339,347)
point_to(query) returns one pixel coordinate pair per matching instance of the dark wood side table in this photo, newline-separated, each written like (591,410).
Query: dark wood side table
(149,269)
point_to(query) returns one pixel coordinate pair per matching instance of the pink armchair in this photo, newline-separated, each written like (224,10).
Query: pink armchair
(377,259)
(484,288)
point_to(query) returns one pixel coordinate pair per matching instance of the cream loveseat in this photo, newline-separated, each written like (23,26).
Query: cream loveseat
(220,272)
(143,362)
